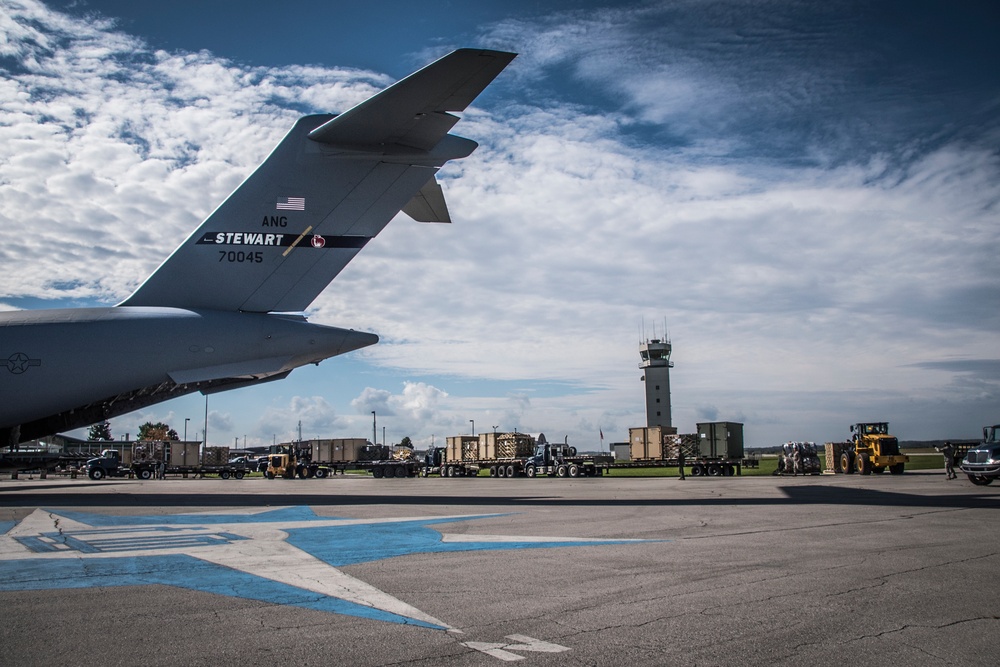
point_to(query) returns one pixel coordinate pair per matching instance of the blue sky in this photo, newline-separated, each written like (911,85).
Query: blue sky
(803,194)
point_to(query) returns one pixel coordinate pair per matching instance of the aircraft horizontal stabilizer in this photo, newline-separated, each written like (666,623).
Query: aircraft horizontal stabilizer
(412,112)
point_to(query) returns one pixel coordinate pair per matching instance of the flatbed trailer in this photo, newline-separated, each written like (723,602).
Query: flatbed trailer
(700,467)
(391,469)
(549,460)
(156,457)
(98,470)
(235,471)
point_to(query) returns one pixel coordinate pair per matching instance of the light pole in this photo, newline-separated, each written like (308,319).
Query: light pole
(205,432)
(495,428)
(186,420)
(473,422)
(374,430)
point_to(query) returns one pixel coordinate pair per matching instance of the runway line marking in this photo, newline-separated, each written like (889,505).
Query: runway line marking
(503,651)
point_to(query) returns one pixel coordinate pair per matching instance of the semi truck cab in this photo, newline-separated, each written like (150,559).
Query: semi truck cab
(982,463)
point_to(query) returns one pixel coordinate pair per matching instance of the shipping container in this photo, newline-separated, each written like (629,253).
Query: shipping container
(647,442)
(721,439)
(338,449)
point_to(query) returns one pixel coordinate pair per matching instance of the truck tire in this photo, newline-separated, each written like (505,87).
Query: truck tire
(846,464)
(561,471)
(574,470)
(697,471)
(401,472)
(493,471)
(530,471)
(97,474)
(511,471)
(238,474)
(377,472)
(501,471)
(320,473)
(224,474)
(863,465)
(145,473)
(714,470)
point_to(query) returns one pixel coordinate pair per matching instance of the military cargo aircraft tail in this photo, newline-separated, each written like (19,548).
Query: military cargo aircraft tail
(218,314)
(330,186)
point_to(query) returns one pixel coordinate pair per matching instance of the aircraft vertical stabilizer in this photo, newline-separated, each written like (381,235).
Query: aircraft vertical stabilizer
(330,186)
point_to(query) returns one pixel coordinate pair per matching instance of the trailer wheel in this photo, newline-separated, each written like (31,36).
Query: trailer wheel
(238,474)
(145,473)
(493,471)
(897,468)
(530,471)
(401,471)
(561,471)
(697,471)
(98,474)
(320,473)
(846,464)
(729,471)
(511,471)
(377,472)
(224,474)
(573,470)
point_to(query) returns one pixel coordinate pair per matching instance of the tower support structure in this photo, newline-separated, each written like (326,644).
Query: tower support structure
(656,365)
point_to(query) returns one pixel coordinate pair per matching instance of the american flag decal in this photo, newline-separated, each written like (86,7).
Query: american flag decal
(291,204)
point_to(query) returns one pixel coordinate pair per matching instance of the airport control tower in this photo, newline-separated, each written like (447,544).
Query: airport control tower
(656,367)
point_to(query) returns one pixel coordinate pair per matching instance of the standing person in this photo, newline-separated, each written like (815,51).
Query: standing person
(161,470)
(680,460)
(948,451)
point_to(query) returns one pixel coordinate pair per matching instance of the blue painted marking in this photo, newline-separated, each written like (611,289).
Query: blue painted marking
(182,572)
(5,526)
(335,545)
(350,545)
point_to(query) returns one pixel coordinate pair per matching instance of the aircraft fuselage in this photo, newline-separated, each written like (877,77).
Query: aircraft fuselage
(58,361)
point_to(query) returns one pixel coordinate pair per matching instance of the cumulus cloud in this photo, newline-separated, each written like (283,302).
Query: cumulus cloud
(111,153)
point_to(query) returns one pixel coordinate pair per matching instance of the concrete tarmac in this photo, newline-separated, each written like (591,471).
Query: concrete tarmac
(828,570)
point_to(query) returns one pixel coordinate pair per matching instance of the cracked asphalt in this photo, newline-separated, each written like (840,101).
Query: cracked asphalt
(828,570)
